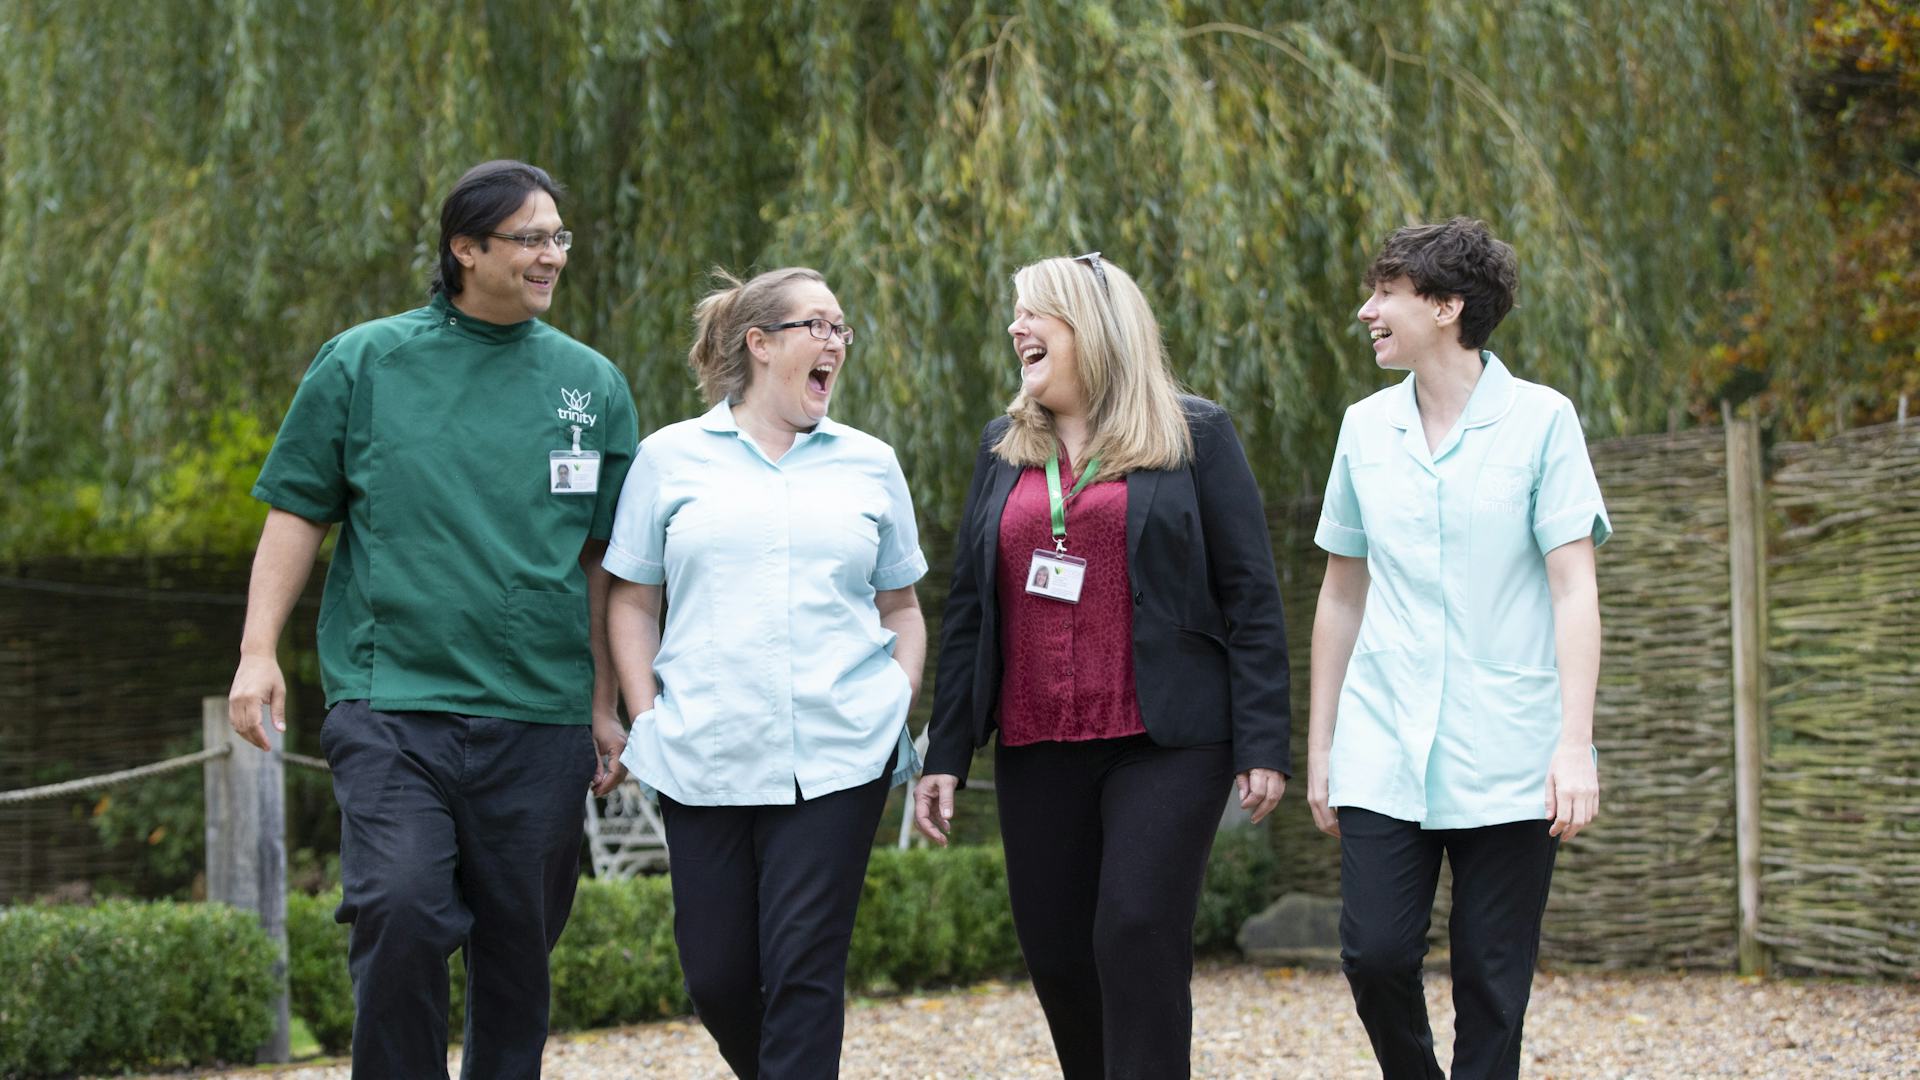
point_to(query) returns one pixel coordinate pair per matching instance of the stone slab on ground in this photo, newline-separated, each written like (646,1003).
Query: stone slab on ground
(1259,1022)
(1296,929)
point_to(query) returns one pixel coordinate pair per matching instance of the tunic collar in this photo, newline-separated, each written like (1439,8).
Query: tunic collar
(478,329)
(1491,398)
(720,421)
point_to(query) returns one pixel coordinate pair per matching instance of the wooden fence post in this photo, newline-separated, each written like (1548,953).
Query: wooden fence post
(1747,567)
(247,844)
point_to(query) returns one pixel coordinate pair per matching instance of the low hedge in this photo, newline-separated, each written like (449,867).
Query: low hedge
(127,985)
(131,986)
(927,918)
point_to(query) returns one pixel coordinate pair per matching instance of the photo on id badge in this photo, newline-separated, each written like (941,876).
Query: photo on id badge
(573,472)
(1056,576)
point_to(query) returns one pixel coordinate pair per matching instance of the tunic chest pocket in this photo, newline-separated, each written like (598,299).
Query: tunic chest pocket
(1504,491)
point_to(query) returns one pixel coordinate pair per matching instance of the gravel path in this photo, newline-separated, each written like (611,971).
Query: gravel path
(1265,1022)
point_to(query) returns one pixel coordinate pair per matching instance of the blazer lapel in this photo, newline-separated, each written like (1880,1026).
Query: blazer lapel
(991,508)
(1140,488)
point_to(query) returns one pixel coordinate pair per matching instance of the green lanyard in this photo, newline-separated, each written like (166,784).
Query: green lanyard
(1058,501)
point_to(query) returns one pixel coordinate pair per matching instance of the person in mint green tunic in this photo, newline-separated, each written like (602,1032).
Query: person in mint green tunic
(1456,650)
(461,632)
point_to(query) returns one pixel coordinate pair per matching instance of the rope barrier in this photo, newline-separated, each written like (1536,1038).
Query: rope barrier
(158,768)
(94,783)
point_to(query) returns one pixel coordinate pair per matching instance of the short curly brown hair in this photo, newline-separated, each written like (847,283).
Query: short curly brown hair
(1458,257)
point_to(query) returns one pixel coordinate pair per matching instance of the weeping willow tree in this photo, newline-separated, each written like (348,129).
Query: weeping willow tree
(199,192)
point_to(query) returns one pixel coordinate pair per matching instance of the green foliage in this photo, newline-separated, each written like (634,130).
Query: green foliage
(1241,881)
(131,986)
(278,178)
(164,819)
(927,918)
(932,917)
(617,962)
(318,986)
(198,500)
(1842,354)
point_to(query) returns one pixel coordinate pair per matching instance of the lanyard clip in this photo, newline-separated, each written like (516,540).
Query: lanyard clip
(1060,544)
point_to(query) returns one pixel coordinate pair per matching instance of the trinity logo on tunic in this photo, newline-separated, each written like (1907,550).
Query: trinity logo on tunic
(1504,491)
(573,406)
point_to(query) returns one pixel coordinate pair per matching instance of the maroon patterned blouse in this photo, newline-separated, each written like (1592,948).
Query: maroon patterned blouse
(1067,669)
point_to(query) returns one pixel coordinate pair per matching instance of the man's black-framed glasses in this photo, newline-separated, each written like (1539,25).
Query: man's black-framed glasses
(1092,258)
(819,328)
(536,241)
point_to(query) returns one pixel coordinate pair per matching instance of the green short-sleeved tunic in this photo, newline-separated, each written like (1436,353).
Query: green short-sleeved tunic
(456,585)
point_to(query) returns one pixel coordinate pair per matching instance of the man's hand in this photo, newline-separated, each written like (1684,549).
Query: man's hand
(257,683)
(1260,791)
(1324,817)
(1573,790)
(609,739)
(933,805)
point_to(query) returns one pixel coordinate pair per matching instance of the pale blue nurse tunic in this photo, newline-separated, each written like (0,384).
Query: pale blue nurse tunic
(774,671)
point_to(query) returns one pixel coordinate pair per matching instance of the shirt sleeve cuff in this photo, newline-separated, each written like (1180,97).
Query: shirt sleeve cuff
(293,504)
(1574,523)
(1340,540)
(901,574)
(624,565)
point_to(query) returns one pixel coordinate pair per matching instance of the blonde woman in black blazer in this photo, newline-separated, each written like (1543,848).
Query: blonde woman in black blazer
(1130,709)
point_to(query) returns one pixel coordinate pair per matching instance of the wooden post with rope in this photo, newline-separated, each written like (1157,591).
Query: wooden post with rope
(247,843)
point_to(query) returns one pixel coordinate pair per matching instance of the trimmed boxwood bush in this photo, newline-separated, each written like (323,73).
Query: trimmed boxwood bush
(927,918)
(131,986)
(318,987)
(139,986)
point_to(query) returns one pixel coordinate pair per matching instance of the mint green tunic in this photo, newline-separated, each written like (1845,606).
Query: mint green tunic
(1450,709)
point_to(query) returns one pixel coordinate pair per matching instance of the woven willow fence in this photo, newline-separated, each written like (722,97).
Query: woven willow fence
(1840,819)
(1654,883)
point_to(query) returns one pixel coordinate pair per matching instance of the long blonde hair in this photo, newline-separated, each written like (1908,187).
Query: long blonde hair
(1133,402)
(721,319)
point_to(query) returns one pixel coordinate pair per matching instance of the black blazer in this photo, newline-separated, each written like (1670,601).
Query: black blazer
(1209,645)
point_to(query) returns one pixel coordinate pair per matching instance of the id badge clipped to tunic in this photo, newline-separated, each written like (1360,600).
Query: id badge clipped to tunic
(1055,574)
(575,471)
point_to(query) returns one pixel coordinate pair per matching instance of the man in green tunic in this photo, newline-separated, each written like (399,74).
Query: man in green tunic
(461,635)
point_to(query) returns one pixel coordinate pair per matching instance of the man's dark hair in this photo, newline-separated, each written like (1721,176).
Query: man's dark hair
(1458,257)
(486,196)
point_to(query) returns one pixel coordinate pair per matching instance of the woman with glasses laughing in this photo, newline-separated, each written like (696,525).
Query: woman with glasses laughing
(770,714)
(1114,615)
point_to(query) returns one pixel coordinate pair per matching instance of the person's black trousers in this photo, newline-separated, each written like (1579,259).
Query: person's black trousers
(456,832)
(764,899)
(1389,870)
(1107,845)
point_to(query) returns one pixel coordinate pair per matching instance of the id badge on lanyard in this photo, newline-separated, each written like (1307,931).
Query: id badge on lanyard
(1055,574)
(575,471)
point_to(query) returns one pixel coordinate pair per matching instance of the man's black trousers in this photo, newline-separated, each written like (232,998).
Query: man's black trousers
(456,832)
(1107,843)
(1389,870)
(764,899)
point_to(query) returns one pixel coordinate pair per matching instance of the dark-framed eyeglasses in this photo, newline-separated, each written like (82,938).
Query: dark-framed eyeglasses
(1092,258)
(536,241)
(819,328)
